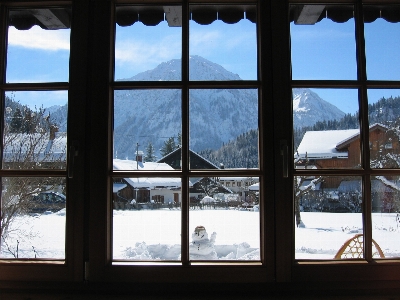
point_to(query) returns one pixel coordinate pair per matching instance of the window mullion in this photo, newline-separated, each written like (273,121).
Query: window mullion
(185,135)
(364,128)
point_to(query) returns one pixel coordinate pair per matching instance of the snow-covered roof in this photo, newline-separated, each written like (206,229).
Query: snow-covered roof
(322,144)
(34,147)
(118,186)
(255,187)
(130,165)
(330,143)
(238,178)
(146,182)
(381,184)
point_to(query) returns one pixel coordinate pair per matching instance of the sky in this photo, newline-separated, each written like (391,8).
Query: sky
(325,50)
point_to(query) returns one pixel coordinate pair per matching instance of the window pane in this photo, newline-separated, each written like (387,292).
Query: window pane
(35,130)
(382,33)
(385,191)
(147,219)
(383,112)
(33,217)
(147,124)
(224,222)
(223,48)
(325,50)
(223,128)
(147,48)
(326,132)
(327,214)
(38,45)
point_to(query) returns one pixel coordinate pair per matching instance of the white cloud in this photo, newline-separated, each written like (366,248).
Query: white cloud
(38,38)
(205,41)
(142,54)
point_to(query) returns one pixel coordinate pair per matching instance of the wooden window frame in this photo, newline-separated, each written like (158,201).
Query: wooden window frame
(90,212)
(360,271)
(69,269)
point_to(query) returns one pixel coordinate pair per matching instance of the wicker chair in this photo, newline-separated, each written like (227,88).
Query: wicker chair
(353,248)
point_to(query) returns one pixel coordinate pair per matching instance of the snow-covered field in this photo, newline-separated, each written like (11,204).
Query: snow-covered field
(155,234)
(325,233)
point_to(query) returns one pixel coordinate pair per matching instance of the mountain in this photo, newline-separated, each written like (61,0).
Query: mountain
(216,115)
(309,108)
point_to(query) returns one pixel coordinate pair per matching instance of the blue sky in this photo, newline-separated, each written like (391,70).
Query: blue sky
(322,51)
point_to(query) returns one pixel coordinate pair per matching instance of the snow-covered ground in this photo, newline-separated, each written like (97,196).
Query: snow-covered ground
(155,234)
(325,233)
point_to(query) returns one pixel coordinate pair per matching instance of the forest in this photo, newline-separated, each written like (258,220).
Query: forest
(242,152)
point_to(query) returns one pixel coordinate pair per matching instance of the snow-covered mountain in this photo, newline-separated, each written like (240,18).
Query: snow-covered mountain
(217,116)
(308,108)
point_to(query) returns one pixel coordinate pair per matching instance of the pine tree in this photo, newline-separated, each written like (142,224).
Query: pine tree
(150,153)
(168,147)
(16,121)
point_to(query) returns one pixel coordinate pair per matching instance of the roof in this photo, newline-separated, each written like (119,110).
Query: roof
(130,165)
(192,155)
(146,182)
(34,147)
(380,185)
(330,143)
(323,144)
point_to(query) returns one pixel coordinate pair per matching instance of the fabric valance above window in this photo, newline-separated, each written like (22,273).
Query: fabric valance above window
(311,14)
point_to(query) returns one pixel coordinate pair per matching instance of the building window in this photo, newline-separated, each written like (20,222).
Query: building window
(34,134)
(158,93)
(340,114)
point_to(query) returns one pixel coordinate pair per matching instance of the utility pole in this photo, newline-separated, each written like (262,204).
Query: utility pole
(137,155)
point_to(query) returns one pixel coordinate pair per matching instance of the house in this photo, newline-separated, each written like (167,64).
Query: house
(199,187)
(331,149)
(239,185)
(35,150)
(196,161)
(334,149)
(145,189)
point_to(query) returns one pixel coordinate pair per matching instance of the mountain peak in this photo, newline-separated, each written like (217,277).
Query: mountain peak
(308,108)
(199,69)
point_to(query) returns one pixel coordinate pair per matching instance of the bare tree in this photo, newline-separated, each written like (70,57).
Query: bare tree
(301,189)
(29,142)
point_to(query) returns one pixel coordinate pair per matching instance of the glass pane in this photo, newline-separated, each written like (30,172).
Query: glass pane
(224,219)
(147,126)
(223,48)
(328,213)
(147,47)
(385,192)
(326,128)
(35,129)
(383,112)
(382,31)
(223,128)
(33,217)
(38,45)
(147,219)
(325,50)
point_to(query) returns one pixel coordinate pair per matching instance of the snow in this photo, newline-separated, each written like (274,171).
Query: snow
(155,234)
(149,182)
(322,144)
(325,233)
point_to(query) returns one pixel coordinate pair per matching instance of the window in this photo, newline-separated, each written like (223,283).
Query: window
(34,136)
(36,215)
(150,99)
(170,155)
(343,131)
